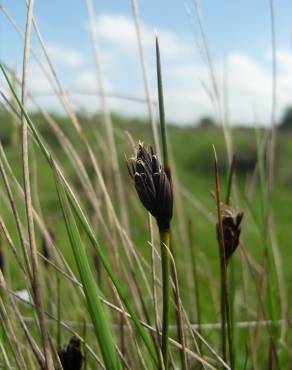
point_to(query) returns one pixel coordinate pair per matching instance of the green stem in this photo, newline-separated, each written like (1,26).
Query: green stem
(228,319)
(223,311)
(165,262)
(161,107)
(232,307)
(195,279)
(225,305)
(59,331)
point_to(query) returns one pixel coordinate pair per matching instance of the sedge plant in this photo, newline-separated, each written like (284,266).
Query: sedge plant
(153,184)
(228,233)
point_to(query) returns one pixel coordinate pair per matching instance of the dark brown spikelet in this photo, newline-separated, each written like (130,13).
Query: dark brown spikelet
(71,357)
(46,247)
(153,184)
(231,221)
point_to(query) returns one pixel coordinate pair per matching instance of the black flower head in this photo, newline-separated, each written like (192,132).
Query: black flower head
(153,184)
(71,358)
(231,220)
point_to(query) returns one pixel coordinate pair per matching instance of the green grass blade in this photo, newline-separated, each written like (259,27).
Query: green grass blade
(94,305)
(161,107)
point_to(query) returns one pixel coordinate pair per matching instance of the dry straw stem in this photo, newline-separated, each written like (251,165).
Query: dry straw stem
(61,92)
(151,111)
(34,347)
(74,119)
(26,179)
(193,253)
(216,93)
(272,141)
(271,170)
(65,325)
(98,315)
(108,122)
(76,162)
(41,223)
(11,245)
(180,320)
(61,139)
(10,334)
(16,218)
(84,223)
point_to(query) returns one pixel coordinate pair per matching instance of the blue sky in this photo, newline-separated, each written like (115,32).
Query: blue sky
(239,33)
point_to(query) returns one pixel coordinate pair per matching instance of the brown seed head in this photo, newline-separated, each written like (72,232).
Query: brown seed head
(231,220)
(153,184)
(71,358)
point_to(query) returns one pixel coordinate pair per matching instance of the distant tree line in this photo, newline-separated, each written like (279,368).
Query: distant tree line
(285,122)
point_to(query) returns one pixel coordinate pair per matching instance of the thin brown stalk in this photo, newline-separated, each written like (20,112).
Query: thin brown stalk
(16,218)
(63,324)
(271,170)
(26,179)
(11,245)
(34,347)
(149,97)
(216,94)
(119,188)
(272,142)
(181,335)
(193,254)
(11,336)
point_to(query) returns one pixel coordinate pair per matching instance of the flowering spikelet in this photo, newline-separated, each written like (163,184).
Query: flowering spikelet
(153,185)
(71,358)
(231,220)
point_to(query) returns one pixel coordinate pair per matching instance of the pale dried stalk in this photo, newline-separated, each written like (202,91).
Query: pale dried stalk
(11,336)
(149,95)
(11,245)
(66,103)
(214,83)
(107,121)
(272,142)
(23,320)
(26,179)
(34,347)
(62,95)
(180,316)
(16,218)
(271,174)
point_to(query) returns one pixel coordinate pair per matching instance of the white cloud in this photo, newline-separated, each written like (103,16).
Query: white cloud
(119,31)
(186,78)
(64,56)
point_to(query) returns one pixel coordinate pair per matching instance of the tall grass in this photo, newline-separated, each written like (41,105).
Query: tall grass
(128,317)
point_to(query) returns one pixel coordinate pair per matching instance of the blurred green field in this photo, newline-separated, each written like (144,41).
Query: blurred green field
(193,162)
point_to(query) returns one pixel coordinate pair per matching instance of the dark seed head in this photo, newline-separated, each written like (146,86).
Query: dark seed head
(71,357)
(231,220)
(46,247)
(153,185)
